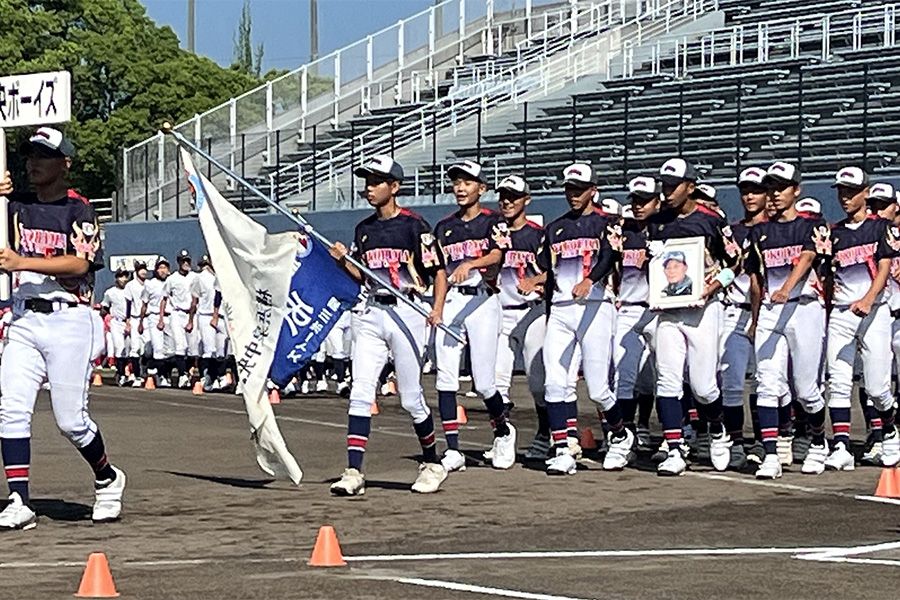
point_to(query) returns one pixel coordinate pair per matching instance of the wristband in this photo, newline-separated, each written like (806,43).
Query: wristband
(725,277)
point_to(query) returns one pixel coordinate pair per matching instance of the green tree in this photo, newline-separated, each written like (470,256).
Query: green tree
(245,60)
(128,76)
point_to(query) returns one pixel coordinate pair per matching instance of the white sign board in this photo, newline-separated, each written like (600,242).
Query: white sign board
(127,262)
(35,99)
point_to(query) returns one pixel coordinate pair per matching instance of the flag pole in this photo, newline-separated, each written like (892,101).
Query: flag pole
(306,227)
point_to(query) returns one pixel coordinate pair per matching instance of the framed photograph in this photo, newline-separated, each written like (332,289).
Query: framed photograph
(677,274)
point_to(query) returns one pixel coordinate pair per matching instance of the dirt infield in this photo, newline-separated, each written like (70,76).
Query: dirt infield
(201,521)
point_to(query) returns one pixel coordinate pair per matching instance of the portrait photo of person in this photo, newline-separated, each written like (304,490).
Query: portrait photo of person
(676,269)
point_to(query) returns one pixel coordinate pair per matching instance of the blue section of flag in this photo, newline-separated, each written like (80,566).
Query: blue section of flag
(320,292)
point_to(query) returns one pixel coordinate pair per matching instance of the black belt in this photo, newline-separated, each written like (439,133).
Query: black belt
(740,305)
(524,305)
(41,305)
(390,300)
(643,304)
(473,290)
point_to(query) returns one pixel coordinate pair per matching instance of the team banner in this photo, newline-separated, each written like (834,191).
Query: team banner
(255,272)
(320,292)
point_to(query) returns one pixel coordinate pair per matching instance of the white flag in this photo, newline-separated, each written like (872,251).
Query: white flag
(254,269)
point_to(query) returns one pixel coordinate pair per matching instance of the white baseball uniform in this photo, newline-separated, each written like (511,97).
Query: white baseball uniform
(114,302)
(160,339)
(134,293)
(178,290)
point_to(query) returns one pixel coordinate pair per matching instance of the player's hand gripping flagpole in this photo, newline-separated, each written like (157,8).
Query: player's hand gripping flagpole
(306,228)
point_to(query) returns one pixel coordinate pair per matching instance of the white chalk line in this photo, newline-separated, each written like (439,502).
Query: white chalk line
(479,589)
(879,499)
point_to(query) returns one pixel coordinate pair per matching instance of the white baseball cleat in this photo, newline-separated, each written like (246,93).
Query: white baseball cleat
(562,464)
(17,514)
(873,456)
(505,449)
(770,467)
(673,465)
(840,459)
(343,389)
(453,460)
(890,449)
(351,483)
(784,447)
(304,387)
(574,447)
(108,498)
(163,382)
(184,382)
(720,451)
(322,385)
(620,451)
(814,463)
(431,476)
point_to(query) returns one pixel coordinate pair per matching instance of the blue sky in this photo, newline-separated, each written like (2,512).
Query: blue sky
(281,25)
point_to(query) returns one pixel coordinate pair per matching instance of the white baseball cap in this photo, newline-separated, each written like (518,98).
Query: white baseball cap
(467,169)
(579,175)
(50,140)
(707,191)
(809,205)
(783,172)
(645,188)
(753,175)
(676,170)
(611,206)
(883,191)
(381,166)
(515,185)
(851,177)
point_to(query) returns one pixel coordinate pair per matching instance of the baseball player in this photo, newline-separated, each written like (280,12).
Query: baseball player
(213,335)
(580,252)
(737,347)
(863,246)
(883,201)
(788,318)
(155,324)
(687,337)
(635,323)
(114,304)
(472,240)
(398,245)
(179,299)
(521,297)
(137,334)
(54,335)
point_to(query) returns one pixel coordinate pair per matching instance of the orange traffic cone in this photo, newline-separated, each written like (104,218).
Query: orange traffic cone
(97,381)
(327,551)
(274,396)
(150,383)
(375,410)
(587,440)
(198,388)
(97,581)
(461,417)
(889,483)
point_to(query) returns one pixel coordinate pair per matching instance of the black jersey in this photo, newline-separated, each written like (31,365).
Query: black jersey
(579,246)
(721,249)
(520,262)
(856,250)
(634,285)
(67,226)
(461,240)
(776,246)
(401,250)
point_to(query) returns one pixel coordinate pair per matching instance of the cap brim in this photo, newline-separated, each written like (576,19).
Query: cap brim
(672,179)
(184,259)
(28,147)
(777,179)
(513,193)
(642,196)
(577,183)
(364,172)
(457,173)
(851,186)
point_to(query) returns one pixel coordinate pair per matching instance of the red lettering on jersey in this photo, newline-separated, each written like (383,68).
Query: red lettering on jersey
(856,255)
(466,249)
(41,241)
(634,258)
(780,257)
(575,248)
(385,258)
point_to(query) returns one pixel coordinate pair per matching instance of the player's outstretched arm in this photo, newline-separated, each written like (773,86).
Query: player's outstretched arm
(440,294)
(65,266)
(863,306)
(755,302)
(339,253)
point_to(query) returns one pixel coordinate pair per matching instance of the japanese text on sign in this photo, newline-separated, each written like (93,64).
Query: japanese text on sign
(35,99)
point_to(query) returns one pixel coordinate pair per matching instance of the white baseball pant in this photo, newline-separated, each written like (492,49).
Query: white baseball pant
(212,339)
(57,348)
(587,326)
(522,331)
(178,320)
(117,338)
(688,338)
(737,354)
(381,330)
(632,350)
(479,318)
(338,342)
(160,339)
(871,336)
(137,341)
(795,332)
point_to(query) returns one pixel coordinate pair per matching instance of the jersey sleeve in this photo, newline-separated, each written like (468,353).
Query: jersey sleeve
(753,254)
(889,242)
(606,257)
(499,237)
(723,246)
(107,301)
(84,236)
(544,255)
(819,239)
